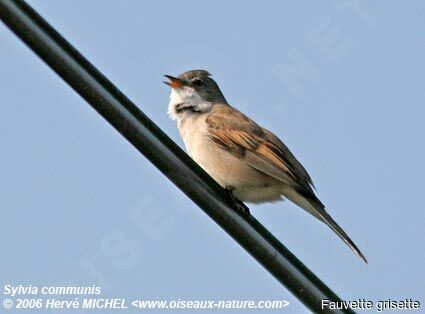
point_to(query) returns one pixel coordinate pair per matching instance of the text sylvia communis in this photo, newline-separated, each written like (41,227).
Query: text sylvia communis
(249,161)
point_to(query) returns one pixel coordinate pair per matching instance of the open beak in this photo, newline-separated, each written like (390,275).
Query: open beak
(174,82)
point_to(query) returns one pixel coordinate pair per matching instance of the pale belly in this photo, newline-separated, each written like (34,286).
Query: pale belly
(247,183)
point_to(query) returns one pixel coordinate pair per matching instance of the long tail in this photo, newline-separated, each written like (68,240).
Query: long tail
(312,204)
(328,220)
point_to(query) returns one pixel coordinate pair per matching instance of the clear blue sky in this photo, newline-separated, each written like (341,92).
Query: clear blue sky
(78,201)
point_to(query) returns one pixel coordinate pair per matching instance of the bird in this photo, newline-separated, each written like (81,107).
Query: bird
(250,162)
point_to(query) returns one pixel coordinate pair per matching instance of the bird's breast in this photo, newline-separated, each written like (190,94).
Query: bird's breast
(227,169)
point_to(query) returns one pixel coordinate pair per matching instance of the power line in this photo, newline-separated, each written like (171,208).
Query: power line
(152,142)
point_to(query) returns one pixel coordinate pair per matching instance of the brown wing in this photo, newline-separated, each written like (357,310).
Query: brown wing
(238,134)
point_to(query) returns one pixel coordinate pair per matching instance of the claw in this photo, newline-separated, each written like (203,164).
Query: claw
(237,204)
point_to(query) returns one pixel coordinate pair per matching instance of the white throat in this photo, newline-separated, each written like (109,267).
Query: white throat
(185,97)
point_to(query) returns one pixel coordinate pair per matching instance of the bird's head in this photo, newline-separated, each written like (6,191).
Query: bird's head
(193,92)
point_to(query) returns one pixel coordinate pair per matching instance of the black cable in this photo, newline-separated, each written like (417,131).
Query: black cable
(152,142)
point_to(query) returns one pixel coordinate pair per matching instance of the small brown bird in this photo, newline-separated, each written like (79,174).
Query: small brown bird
(249,161)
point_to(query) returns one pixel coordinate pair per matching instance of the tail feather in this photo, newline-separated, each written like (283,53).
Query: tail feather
(312,204)
(328,220)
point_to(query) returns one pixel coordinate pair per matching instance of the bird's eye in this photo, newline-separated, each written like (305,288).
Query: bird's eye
(197,82)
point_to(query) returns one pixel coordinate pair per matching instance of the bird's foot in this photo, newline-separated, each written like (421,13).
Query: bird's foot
(237,204)
(242,208)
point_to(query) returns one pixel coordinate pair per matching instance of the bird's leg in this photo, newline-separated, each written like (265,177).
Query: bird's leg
(238,205)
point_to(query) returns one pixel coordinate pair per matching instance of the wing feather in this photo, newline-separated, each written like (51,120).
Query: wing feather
(262,150)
